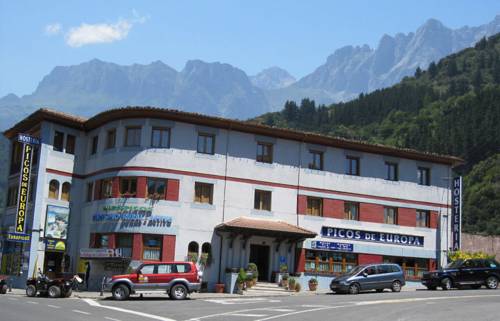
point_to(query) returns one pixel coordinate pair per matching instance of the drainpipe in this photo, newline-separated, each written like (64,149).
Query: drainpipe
(220,255)
(298,177)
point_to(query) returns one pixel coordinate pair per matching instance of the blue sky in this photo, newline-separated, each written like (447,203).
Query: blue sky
(36,36)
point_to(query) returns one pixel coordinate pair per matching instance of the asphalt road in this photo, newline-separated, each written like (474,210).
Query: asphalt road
(415,305)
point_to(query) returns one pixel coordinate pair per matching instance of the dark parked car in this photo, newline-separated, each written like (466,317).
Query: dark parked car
(472,272)
(3,284)
(370,277)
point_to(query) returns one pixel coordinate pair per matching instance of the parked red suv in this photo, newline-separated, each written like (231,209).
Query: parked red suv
(178,279)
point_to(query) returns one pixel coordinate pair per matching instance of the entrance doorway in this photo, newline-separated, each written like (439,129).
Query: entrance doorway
(259,254)
(53,264)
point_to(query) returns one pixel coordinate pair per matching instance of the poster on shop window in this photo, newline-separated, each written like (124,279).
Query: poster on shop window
(56,223)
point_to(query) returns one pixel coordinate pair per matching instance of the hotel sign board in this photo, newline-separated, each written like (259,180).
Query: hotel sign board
(92,253)
(369,236)
(28,143)
(332,246)
(113,218)
(456,213)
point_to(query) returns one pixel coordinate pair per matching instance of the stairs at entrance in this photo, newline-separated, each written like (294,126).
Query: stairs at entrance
(266,288)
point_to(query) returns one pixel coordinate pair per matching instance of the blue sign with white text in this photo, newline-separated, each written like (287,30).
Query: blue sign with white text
(332,246)
(379,237)
(27,139)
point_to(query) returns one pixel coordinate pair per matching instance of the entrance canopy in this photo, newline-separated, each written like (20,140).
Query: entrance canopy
(261,227)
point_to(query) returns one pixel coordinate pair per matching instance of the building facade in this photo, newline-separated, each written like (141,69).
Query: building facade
(145,184)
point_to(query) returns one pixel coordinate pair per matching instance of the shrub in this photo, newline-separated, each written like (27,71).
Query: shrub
(284,277)
(464,255)
(298,287)
(291,283)
(313,281)
(283,268)
(242,276)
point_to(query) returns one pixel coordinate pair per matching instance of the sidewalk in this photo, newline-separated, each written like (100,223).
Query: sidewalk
(410,286)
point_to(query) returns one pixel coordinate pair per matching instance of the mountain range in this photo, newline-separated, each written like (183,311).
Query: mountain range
(224,90)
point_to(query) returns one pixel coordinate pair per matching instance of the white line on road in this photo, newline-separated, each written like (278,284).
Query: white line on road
(277,310)
(32,302)
(248,315)
(380,302)
(81,312)
(146,315)
(112,319)
(53,306)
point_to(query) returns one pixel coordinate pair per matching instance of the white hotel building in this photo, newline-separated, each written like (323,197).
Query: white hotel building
(161,184)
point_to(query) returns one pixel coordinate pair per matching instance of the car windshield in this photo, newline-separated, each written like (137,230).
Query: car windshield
(355,270)
(133,265)
(454,264)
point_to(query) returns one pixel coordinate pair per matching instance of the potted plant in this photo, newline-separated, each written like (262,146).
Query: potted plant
(192,257)
(240,281)
(313,284)
(249,281)
(255,277)
(284,281)
(252,267)
(219,287)
(291,284)
(298,287)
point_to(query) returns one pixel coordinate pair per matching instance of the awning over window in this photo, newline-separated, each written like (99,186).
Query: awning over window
(252,226)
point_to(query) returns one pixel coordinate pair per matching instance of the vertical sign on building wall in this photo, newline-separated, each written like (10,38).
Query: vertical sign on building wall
(456,210)
(24,180)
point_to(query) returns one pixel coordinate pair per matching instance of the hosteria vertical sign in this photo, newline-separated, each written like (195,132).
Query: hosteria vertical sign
(456,218)
(24,182)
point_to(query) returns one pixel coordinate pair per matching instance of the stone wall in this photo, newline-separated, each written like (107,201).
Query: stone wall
(488,244)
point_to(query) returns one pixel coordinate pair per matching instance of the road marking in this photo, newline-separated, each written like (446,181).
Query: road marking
(303,311)
(13,299)
(146,315)
(112,319)
(379,302)
(81,312)
(32,302)
(53,306)
(313,306)
(247,315)
(230,313)
(277,310)
(240,301)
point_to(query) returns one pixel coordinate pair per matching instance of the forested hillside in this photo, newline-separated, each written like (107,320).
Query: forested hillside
(451,108)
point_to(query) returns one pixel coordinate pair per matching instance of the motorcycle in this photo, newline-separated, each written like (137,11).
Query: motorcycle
(54,288)
(3,284)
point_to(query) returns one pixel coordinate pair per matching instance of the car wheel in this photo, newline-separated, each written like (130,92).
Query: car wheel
(396,286)
(446,284)
(432,288)
(178,292)
(31,291)
(121,292)
(354,288)
(54,291)
(492,282)
(379,290)
(3,289)
(68,293)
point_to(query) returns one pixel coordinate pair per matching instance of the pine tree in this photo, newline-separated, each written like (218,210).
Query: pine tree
(432,70)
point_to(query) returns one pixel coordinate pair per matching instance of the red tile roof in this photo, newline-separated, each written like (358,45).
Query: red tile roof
(267,227)
(224,123)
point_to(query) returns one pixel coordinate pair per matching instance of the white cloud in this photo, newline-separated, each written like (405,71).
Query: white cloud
(53,29)
(88,34)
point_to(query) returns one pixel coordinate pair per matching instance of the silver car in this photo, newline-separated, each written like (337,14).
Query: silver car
(370,277)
